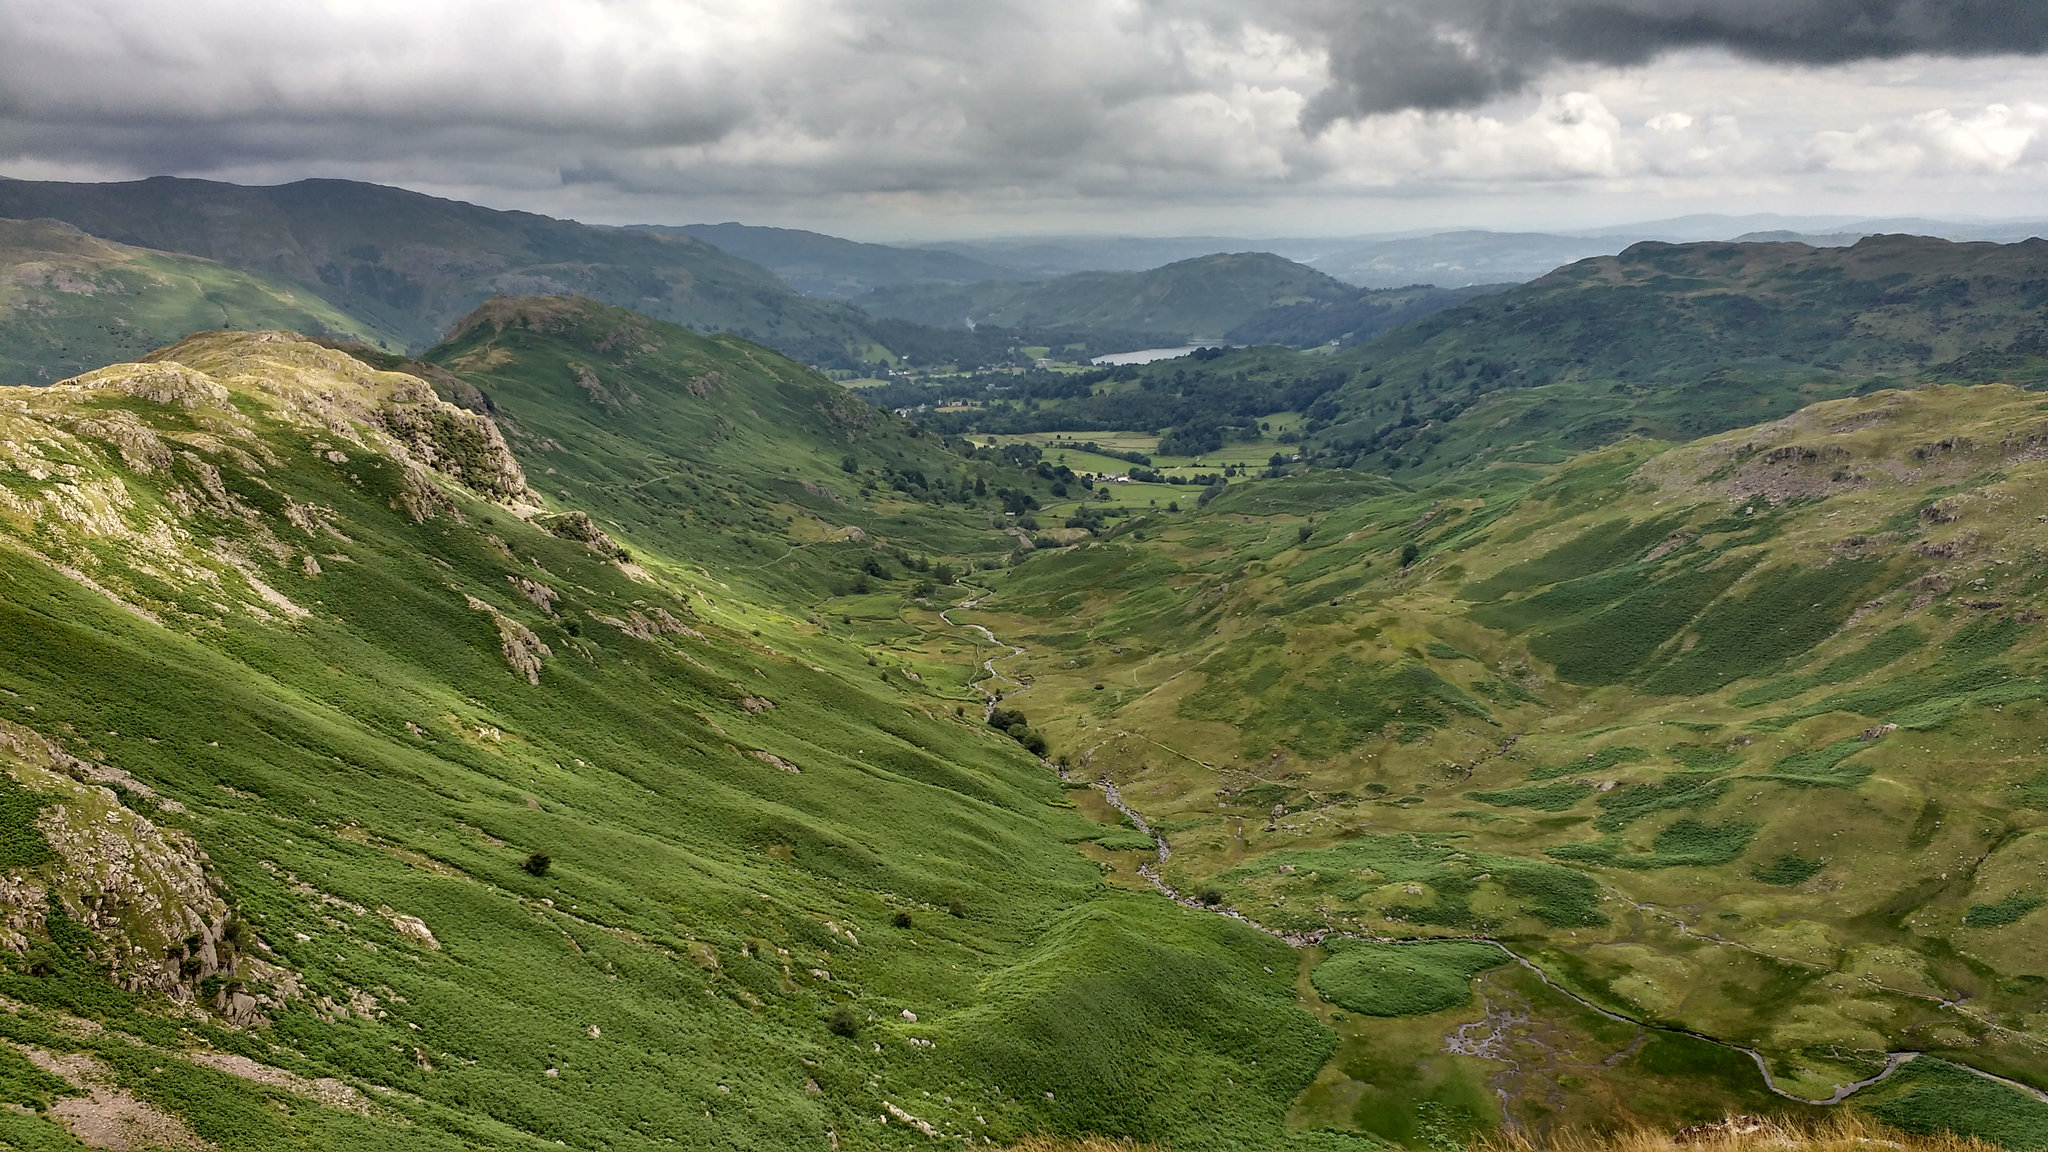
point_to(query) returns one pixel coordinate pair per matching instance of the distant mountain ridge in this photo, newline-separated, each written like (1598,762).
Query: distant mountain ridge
(1240,297)
(1453,257)
(411,264)
(1204,297)
(1663,341)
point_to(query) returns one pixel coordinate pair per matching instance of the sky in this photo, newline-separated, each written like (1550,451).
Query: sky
(932,119)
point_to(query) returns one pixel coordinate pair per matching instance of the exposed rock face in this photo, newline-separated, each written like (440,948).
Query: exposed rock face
(542,596)
(411,927)
(578,526)
(141,889)
(646,623)
(127,497)
(462,445)
(523,650)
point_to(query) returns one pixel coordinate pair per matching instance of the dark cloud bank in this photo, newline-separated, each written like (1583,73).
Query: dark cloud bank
(1389,55)
(571,106)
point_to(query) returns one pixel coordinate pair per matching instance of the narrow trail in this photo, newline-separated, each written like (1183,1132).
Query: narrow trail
(1151,872)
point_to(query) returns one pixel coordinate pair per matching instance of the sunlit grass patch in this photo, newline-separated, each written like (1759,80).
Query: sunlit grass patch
(1403,979)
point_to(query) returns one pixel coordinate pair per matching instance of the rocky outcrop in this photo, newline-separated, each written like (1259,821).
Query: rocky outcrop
(578,526)
(646,623)
(522,650)
(463,446)
(140,888)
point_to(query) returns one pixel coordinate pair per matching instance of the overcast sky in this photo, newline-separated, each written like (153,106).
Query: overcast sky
(886,119)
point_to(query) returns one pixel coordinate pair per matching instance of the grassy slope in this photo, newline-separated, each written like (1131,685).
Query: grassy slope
(716,451)
(706,909)
(1608,714)
(1611,714)
(70,303)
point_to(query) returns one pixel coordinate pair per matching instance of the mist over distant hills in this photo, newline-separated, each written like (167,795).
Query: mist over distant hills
(398,267)
(1455,258)
(820,265)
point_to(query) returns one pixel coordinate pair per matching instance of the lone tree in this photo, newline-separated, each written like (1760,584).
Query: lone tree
(538,863)
(843,1022)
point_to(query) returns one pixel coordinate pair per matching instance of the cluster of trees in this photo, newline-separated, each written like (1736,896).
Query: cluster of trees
(1197,404)
(1024,465)
(1113,453)
(1014,725)
(930,575)
(1148,476)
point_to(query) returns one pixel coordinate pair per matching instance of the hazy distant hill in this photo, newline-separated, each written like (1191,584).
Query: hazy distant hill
(1813,239)
(820,265)
(411,264)
(1476,256)
(1060,255)
(1203,298)
(1456,259)
(1448,259)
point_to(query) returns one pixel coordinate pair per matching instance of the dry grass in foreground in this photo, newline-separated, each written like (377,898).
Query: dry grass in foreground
(1846,1133)
(1736,1134)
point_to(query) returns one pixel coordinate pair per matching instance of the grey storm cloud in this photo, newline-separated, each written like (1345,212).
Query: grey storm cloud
(1389,55)
(1003,102)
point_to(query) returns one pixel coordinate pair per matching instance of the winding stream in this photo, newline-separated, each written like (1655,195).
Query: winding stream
(1151,872)
(988,665)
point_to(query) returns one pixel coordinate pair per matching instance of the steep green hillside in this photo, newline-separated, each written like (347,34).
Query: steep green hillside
(355,794)
(721,451)
(69,302)
(1676,341)
(412,265)
(1739,740)
(1203,298)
